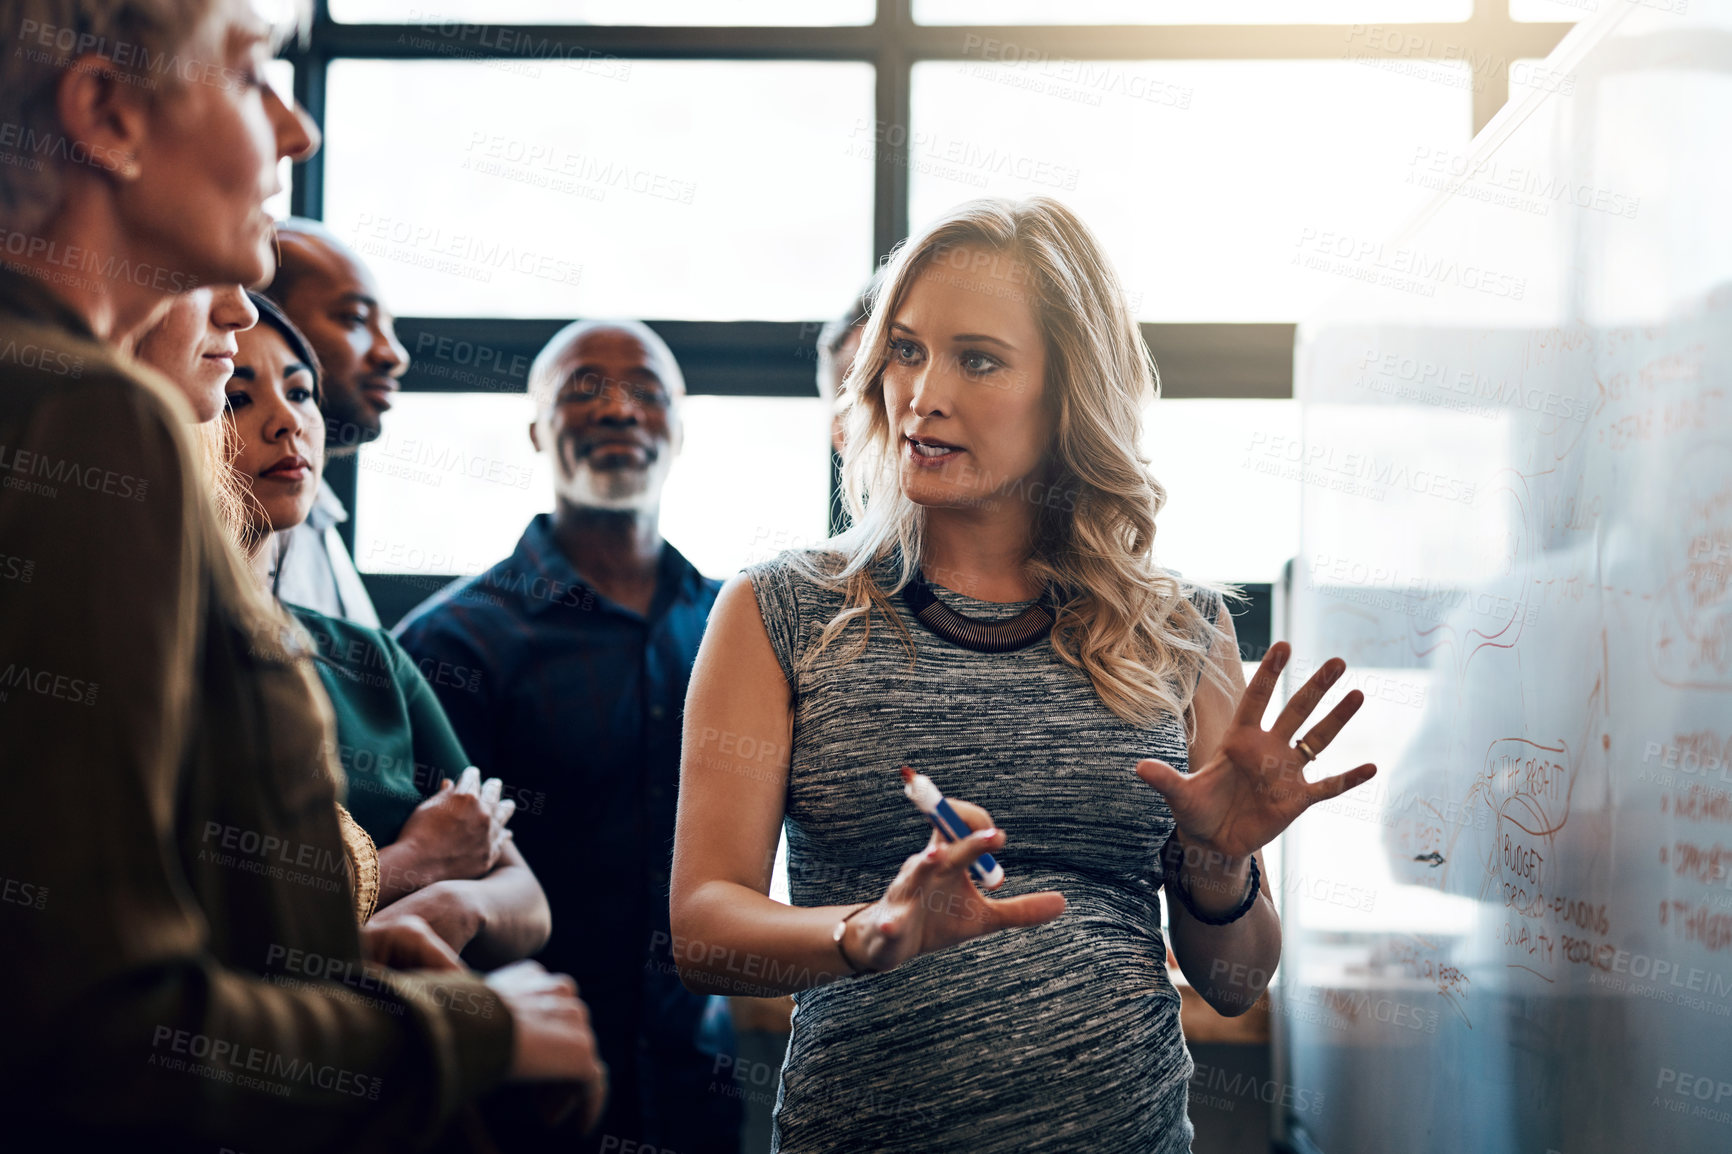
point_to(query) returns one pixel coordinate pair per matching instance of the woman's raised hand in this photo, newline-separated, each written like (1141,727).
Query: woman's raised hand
(1254,785)
(933,902)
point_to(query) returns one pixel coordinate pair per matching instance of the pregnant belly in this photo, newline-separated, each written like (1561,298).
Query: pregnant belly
(1067,1029)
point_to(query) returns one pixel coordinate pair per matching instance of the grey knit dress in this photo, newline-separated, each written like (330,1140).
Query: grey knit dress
(1058,1037)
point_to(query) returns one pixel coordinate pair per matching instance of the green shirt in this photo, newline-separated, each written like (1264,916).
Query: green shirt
(393,739)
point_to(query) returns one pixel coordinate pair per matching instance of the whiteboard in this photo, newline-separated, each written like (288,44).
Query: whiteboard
(1515,468)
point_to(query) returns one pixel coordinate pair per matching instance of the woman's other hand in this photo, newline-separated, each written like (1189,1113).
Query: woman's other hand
(933,902)
(1254,786)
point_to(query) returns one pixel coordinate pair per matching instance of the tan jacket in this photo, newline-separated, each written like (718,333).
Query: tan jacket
(177,933)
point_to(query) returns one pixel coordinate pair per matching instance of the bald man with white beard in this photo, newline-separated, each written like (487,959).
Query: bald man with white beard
(568,670)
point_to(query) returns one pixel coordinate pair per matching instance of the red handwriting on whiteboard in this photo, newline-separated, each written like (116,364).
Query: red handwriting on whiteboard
(1698,803)
(1450,981)
(1696,923)
(1704,863)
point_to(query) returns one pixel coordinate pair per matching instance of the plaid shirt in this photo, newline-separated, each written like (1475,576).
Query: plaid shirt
(575,701)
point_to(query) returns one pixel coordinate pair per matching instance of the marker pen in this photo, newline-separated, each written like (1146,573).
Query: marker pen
(985,871)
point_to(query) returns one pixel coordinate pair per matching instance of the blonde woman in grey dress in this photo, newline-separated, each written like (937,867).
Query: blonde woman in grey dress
(995,620)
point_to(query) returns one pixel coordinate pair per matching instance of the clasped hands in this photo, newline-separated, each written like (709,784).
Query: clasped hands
(453,837)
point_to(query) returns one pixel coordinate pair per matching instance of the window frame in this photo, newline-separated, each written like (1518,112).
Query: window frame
(752,358)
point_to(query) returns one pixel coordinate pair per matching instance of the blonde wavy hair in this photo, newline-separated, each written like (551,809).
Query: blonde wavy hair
(1125,622)
(213,442)
(214,446)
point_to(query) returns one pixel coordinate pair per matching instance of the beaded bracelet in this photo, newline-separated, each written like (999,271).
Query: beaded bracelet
(1232,916)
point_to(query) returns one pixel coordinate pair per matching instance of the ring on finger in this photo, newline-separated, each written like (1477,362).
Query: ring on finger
(1305,750)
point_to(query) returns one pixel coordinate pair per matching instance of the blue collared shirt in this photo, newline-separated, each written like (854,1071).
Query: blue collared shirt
(576,701)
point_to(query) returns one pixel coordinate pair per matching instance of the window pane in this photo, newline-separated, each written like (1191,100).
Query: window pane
(1649,15)
(453,481)
(449,485)
(1208,181)
(1010,12)
(1206,453)
(1559,11)
(680,190)
(753,480)
(657,12)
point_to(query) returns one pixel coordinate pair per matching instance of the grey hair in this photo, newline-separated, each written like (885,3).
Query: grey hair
(542,380)
(137,37)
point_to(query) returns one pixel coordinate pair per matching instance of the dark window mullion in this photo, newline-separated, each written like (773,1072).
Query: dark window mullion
(307,198)
(307,192)
(892,103)
(728,353)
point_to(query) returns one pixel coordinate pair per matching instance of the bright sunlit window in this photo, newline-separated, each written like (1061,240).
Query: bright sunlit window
(585,184)
(690,190)
(1561,11)
(1006,12)
(1206,180)
(1224,520)
(450,486)
(448,19)
(453,481)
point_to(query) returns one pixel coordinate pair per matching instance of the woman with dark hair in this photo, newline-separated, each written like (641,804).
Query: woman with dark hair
(444,853)
(992,446)
(188,973)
